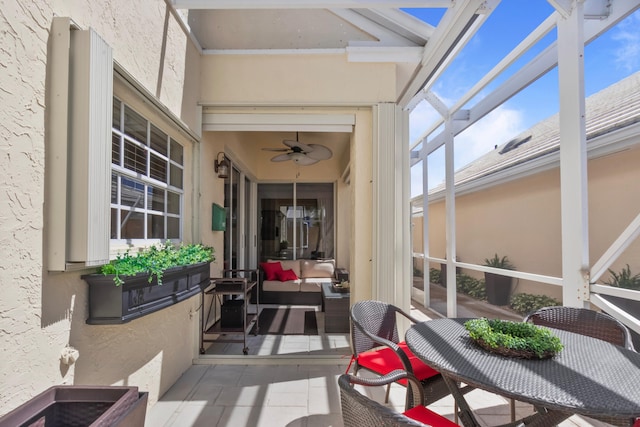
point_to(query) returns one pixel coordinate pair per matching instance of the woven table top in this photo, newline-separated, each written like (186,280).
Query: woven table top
(589,376)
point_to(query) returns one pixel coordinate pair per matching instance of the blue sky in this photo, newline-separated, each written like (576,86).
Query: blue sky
(610,58)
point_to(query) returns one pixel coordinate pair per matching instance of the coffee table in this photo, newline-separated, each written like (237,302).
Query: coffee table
(335,306)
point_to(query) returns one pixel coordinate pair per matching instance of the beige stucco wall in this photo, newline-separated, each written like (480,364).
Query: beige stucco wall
(290,79)
(521,219)
(41,312)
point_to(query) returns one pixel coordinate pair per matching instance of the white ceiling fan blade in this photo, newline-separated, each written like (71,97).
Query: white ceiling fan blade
(281,158)
(304,147)
(319,152)
(303,160)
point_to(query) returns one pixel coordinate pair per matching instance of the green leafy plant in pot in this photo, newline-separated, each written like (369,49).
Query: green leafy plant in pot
(155,260)
(498,286)
(626,279)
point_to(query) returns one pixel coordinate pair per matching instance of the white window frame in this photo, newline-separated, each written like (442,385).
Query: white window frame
(145,179)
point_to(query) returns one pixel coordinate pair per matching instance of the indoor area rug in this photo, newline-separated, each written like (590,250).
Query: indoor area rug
(287,321)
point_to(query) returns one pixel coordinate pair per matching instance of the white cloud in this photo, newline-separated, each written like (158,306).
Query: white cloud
(497,128)
(627,34)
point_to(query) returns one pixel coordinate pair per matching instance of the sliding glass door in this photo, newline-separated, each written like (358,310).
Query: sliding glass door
(240,236)
(296,221)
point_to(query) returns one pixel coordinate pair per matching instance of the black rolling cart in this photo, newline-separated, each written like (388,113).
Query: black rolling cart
(231,295)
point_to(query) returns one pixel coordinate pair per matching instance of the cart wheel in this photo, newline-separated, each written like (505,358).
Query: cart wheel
(245,350)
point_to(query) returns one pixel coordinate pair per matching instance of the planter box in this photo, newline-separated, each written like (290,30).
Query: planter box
(111,304)
(498,288)
(87,406)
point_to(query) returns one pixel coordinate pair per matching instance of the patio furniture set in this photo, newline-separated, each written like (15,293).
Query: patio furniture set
(595,374)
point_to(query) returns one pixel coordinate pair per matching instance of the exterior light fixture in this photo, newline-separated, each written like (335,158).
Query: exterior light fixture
(221,167)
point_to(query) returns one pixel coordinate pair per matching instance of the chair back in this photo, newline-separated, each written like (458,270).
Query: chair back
(358,410)
(377,318)
(585,322)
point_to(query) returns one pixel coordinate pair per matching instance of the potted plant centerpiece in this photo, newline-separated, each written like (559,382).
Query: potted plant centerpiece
(133,285)
(498,286)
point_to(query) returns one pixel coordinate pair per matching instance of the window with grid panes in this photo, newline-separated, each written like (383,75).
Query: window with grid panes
(146,179)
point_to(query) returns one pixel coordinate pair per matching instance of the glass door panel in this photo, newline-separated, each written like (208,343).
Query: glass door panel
(315,238)
(296,221)
(232,233)
(273,201)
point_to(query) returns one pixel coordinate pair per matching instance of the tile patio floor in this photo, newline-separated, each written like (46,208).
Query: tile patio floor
(291,381)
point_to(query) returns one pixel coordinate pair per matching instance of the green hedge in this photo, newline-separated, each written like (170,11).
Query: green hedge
(475,288)
(471,286)
(527,303)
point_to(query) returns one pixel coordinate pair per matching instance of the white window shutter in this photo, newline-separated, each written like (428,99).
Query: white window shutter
(89,161)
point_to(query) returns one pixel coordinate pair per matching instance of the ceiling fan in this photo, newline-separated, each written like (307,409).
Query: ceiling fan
(301,154)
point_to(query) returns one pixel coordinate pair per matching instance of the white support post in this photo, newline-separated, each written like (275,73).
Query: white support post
(450,208)
(392,242)
(573,159)
(426,302)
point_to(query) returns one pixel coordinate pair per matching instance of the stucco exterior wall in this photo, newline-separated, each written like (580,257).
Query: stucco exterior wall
(42,312)
(521,219)
(294,79)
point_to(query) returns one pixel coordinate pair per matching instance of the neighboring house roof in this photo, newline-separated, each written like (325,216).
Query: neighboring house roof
(611,109)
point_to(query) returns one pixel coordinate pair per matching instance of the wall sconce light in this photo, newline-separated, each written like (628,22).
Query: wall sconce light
(221,167)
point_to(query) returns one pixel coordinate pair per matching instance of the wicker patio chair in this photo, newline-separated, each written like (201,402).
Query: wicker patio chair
(359,410)
(377,347)
(585,322)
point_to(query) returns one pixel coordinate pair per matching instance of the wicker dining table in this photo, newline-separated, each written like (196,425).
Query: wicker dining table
(589,376)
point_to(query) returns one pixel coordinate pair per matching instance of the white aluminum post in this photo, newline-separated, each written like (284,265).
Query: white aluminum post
(573,158)
(391,231)
(450,207)
(426,277)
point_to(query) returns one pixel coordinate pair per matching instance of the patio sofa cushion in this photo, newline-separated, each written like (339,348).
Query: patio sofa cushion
(318,268)
(298,281)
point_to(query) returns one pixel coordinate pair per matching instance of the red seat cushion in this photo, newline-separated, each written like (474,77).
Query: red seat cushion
(425,416)
(385,360)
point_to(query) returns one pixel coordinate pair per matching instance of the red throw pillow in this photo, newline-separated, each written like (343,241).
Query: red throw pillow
(271,270)
(284,275)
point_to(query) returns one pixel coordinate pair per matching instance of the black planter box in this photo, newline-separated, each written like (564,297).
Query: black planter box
(232,314)
(137,297)
(87,406)
(498,288)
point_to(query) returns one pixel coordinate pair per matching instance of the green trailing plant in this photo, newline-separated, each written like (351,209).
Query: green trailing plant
(498,262)
(517,336)
(526,303)
(155,260)
(624,279)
